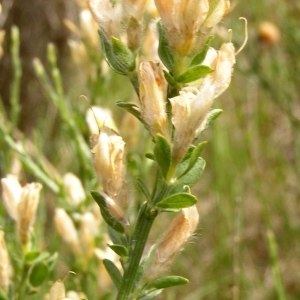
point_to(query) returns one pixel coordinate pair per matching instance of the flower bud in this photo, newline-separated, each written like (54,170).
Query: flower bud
(268,33)
(97,117)
(107,16)
(221,62)
(180,230)
(88,28)
(88,232)
(109,163)
(153,93)
(182,20)
(67,230)
(74,188)
(58,291)
(5,267)
(21,203)
(189,110)
(217,10)
(132,19)
(11,195)
(27,209)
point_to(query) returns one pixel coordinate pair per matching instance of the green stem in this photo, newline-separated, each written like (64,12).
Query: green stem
(142,229)
(22,288)
(17,73)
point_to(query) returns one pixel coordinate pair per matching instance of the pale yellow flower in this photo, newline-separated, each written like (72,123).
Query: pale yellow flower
(5,267)
(153,93)
(107,16)
(21,203)
(182,21)
(74,189)
(221,62)
(66,229)
(189,110)
(109,163)
(179,231)
(217,10)
(97,117)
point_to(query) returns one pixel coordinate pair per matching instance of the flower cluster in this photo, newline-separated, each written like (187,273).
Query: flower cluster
(21,204)
(176,93)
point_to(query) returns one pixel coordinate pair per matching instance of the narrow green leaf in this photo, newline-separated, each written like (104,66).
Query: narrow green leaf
(114,236)
(39,272)
(177,201)
(108,218)
(143,187)
(162,153)
(113,272)
(131,108)
(213,115)
(119,249)
(170,79)
(194,73)
(123,56)
(194,157)
(199,57)
(167,281)
(164,51)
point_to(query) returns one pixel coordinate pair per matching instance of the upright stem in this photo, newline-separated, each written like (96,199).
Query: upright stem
(142,229)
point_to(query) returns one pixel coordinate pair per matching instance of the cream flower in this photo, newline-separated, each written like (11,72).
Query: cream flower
(189,110)
(107,16)
(21,203)
(180,230)
(109,163)
(74,188)
(153,93)
(182,20)
(221,62)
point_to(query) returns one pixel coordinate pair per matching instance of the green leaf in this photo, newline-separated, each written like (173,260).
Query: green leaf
(31,256)
(162,153)
(170,79)
(213,115)
(108,218)
(190,178)
(123,56)
(38,273)
(199,57)
(164,51)
(167,281)
(150,295)
(150,156)
(117,55)
(177,201)
(194,157)
(194,73)
(119,249)
(114,236)
(143,187)
(113,272)
(132,109)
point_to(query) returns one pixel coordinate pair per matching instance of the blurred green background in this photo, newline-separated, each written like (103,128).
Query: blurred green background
(247,245)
